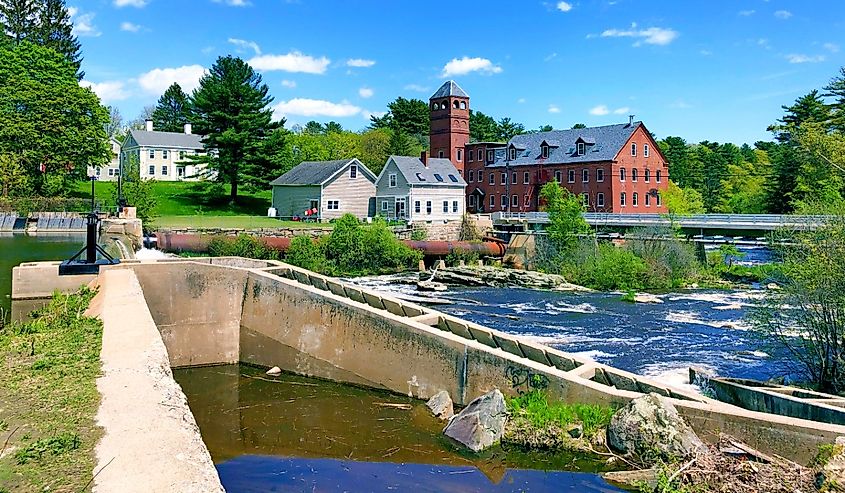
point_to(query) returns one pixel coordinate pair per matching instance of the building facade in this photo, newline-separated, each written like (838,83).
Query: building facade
(111,170)
(164,156)
(613,168)
(420,189)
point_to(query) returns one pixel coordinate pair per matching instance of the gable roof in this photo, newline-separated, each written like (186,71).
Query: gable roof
(166,139)
(416,173)
(318,172)
(449,88)
(606,142)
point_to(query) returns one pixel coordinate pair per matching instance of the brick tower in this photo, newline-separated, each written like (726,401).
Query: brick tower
(449,109)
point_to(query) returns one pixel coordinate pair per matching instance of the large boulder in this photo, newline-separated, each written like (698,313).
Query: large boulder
(830,470)
(481,424)
(651,427)
(441,405)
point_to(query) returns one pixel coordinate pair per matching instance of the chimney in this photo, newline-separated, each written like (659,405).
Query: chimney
(631,120)
(148,125)
(188,129)
(424,158)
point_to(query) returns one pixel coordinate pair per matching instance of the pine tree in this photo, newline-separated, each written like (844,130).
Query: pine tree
(55,31)
(230,108)
(836,89)
(809,108)
(172,110)
(19,18)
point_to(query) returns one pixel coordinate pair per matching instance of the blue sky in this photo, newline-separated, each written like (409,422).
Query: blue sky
(717,70)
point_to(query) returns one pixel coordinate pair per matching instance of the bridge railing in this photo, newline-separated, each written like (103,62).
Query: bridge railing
(750,221)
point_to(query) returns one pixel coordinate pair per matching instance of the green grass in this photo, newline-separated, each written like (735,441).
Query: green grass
(535,407)
(49,368)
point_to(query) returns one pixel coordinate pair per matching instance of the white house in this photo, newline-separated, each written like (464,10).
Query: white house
(111,170)
(420,189)
(163,155)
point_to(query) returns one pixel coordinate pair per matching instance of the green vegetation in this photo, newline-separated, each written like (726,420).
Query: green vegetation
(50,398)
(566,219)
(455,257)
(536,409)
(242,245)
(172,110)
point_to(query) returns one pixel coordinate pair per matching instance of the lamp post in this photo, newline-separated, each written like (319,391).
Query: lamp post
(508,177)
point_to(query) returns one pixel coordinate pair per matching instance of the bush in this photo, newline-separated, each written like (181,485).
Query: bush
(612,268)
(243,245)
(419,234)
(383,251)
(306,253)
(456,256)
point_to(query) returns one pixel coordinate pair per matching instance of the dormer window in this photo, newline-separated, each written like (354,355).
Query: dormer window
(453,178)
(582,148)
(438,177)
(544,151)
(512,153)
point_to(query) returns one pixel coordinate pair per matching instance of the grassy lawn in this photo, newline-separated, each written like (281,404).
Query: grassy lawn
(49,398)
(230,222)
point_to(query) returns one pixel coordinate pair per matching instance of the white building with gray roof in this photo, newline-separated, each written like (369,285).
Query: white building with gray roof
(420,189)
(163,156)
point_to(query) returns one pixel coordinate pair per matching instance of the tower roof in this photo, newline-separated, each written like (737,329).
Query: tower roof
(449,88)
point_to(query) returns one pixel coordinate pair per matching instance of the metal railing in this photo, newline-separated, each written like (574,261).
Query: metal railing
(725,221)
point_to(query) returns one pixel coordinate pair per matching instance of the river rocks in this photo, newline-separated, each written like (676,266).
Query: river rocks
(647,298)
(441,405)
(501,277)
(651,425)
(830,474)
(481,424)
(275,371)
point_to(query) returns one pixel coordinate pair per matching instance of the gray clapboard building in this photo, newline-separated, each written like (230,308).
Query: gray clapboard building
(333,188)
(420,189)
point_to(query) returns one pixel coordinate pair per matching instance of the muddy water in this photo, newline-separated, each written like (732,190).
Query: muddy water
(291,433)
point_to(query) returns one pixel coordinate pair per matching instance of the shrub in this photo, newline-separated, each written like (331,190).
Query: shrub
(419,234)
(243,245)
(306,253)
(456,256)
(345,246)
(607,268)
(383,251)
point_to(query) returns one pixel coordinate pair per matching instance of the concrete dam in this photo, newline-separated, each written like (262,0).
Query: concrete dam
(173,313)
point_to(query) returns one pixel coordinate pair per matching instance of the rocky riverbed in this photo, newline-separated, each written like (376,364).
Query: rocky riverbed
(498,277)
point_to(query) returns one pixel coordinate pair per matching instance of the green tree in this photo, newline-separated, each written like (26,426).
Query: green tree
(682,201)
(507,129)
(821,178)
(48,119)
(231,111)
(482,128)
(809,108)
(566,218)
(333,127)
(410,116)
(43,22)
(137,192)
(172,111)
(14,181)
(744,187)
(836,89)
(578,125)
(545,128)
(375,148)
(19,19)
(314,127)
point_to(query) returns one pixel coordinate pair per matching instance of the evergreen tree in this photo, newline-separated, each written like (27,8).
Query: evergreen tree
(55,31)
(172,111)
(507,129)
(230,108)
(809,108)
(836,89)
(19,19)
(578,125)
(482,128)
(409,116)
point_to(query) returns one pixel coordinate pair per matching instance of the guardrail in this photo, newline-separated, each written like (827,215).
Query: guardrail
(766,222)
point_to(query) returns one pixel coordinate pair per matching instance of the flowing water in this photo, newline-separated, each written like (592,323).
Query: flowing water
(292,433)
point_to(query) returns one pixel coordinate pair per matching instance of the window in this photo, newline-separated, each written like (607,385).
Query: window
(455,206)
(492,201)
(514,200)
(658,200)
(420,177)
(504,178)
(453,178)
(180,171)
(585,176)
(599,175)
(492,178)
(514,178)
(164,170)
(512,153)
(164,154)
(600,200)
(181,155)
(526,178)
(353,172)
(645,150)
(635,199)
(417,206)
(558,176)
(152,154)
(621,174)
(571,176)
(504,201)
(460,154)
(622,197)
(455,104)
(151,170)
(633,174)
(657,176)
(111,171)
(384,205)
(471,176)
(472,200)
(480,176)
(332,205)
(470,155)
(490,156)
(438,177)
(445,206)
(647,175)
(391,178)
(463,105)
(440,154)
(647,199)
(527,201)
(97,172)
(585,199)
(582,148)
(634,149)
(428,207)
(544,151)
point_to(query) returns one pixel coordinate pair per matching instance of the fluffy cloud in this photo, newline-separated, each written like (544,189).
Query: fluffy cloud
(83,23)
(129,27)
(599,110)
(783,14)
(315,107)
(290,84)
(360,62)
(466,65)
(553,108)
(107,91)
(564,6)
(365,92)
(244,44)
(831,47)
(416,87)
(157,80)
(800,58)
(130,3)
(291,62)
(653,35)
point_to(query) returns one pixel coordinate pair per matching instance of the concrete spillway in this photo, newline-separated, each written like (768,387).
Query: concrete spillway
(227,310)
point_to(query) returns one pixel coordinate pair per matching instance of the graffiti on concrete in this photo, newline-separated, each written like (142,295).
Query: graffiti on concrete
(524,380)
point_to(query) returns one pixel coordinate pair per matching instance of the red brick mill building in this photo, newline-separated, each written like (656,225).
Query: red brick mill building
(614,168)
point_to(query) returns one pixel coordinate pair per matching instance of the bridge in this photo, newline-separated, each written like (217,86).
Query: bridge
(730,223)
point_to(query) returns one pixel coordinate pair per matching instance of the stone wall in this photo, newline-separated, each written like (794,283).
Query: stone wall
(440,230)
(268,232)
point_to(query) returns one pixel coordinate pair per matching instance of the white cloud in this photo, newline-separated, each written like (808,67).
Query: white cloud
(365,92)
(783,14)
(244,44)
(416,87)
(680,105)
(622,111)
(553,108)
(746,13)
(466,65)
(653,35)
(291,62)
(233,3)
(550,57)
(157,80)
(800,58)
(360,62)
(831,47)
(599,110)
(130,3)
(315,107)
(83,24)
(290,84)
(129,27)
(564,6)
(520,100)
(107,91)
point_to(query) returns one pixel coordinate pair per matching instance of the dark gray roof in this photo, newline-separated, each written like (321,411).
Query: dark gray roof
(606,142)
(167,139)
(315,172)
(417,174)
(449,88)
